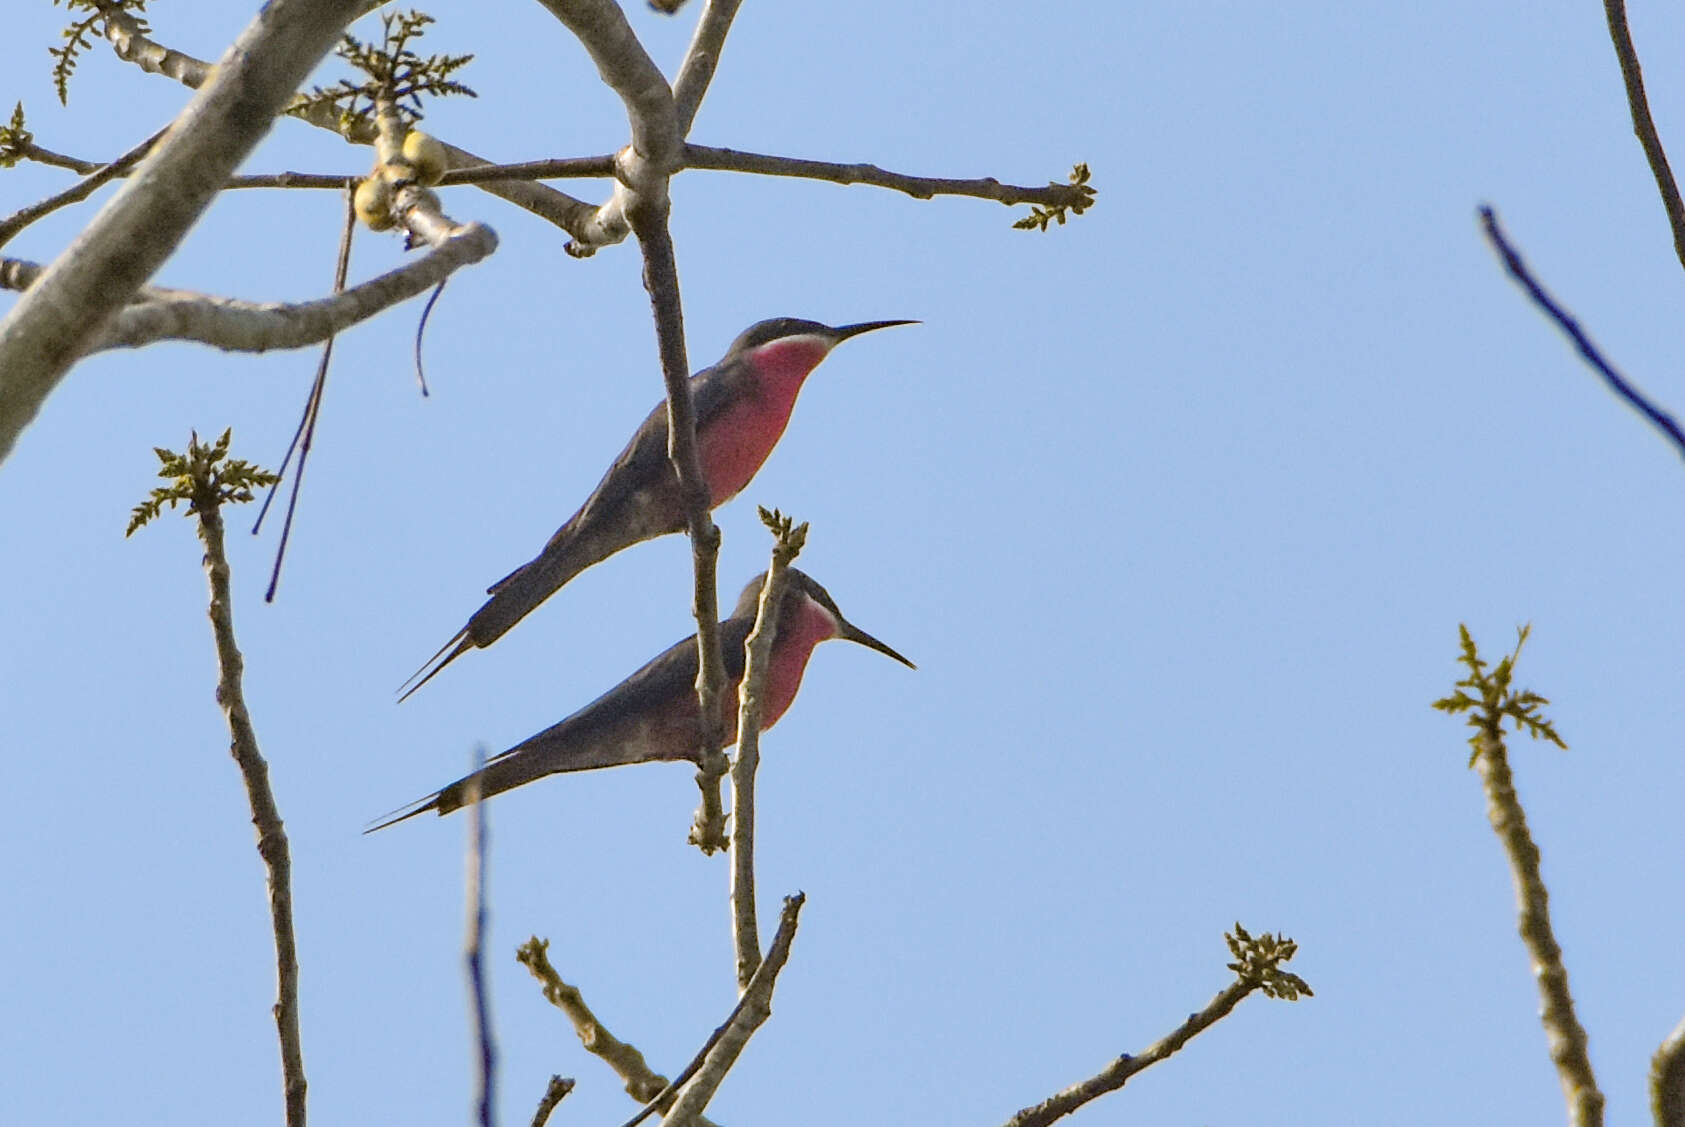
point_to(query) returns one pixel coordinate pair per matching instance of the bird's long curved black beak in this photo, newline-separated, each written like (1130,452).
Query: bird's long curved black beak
(852,633)
(843,332)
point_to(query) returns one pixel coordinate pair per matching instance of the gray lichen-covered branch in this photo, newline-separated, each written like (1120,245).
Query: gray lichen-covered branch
(70,305)
(241,326)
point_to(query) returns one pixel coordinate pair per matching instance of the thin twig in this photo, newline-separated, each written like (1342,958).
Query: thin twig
(51,159)
(642,1082)
(1258,966)
(919,187)
(559,168)
(79,191)
(1517,269)
(266,817)
(745,932)
(1643,124)
(557,1090)
(1117,1074)
(731,1038)
(485,1059)
(306,432)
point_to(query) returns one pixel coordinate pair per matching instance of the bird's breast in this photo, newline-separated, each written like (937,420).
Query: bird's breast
(792,647)
(735,445)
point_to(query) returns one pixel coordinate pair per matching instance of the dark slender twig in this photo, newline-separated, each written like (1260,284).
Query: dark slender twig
(711,1063)
(919,187)
(1643,124)
(1517,269)
(306,432)
(420,328)
(558,1090)
(79,191)
(485,1061)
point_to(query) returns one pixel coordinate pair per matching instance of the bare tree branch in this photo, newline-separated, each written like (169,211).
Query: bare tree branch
(558,1090)
(1566,1036)
(701,58)
(644,166)
(714,1038)
(570,214)
(206,491)
(133,46)
(642,1082)
(641,203)
(242,326)
(485,1056)
(77,192)
(1644,125)
(1517,269)
(730,1039)
(1667,1080)
(789,539)
(919,187)
(1257,966)
(1117,1074)
(47,157)
(57,318)
(1489,698)
(627,69)
(558,168)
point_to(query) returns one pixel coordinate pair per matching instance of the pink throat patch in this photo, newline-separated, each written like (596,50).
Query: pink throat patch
(791,358)
(735,446)
(794,645)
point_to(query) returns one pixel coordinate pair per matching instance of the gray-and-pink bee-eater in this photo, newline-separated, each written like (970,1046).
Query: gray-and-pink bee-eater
(653,715)
(741,404)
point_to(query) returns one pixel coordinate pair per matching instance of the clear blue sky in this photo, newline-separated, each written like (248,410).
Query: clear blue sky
(1177,508)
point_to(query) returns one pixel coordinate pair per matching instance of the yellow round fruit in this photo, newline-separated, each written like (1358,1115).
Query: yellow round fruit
(373,202)
(426,155)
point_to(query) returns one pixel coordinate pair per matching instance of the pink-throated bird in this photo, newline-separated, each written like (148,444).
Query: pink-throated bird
(741,406)
(653,715)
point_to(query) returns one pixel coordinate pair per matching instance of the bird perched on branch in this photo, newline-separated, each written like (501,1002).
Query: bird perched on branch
(741,406)
(653,715)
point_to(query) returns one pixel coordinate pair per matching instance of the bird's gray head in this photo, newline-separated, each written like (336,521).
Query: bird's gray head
(781,328)
(800,587)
